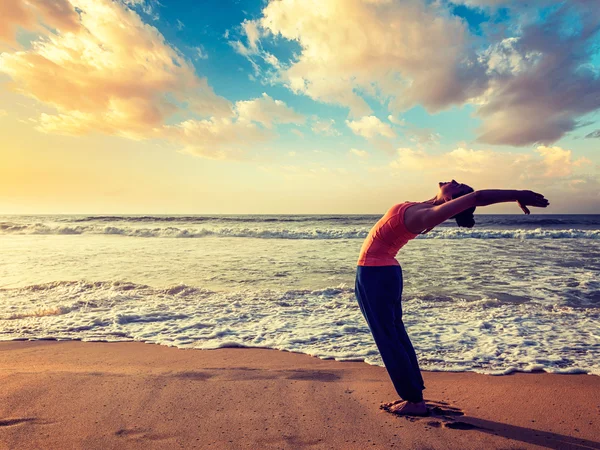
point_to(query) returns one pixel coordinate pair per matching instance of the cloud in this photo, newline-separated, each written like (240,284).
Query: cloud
(422,136)
(325,127)
(483,3)
(545,166)
(153,80)
(216,138)
(542,82)
(112,73)
(14,14)
(456,161)
(57,14)
(146,6)
(250,29)
(240,48)
(267,111)
(559,162)
(370,127)
(530,82)
(410,52)
(518,6)
(253,33)
(504,58)
(253,51)
(396,121)
(231,137)
(359,153)
(200,53)
(593,134)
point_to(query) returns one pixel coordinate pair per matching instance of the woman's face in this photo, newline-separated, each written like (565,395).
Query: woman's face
(452,189)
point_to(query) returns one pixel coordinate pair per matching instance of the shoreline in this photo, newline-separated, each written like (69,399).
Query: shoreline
(509,371)
(64,394)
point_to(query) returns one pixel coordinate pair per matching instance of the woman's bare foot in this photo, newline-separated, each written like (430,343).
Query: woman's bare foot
(409,409)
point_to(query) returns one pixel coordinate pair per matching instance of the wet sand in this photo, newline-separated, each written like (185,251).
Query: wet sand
(58,395)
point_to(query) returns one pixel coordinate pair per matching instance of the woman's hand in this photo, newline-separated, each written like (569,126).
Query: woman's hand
(530,198)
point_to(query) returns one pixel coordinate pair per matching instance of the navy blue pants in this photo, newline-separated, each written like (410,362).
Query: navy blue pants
(379,293)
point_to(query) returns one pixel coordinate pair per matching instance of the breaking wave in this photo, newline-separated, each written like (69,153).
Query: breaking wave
(284,233)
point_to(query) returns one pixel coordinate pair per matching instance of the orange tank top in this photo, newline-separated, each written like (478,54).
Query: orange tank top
(386,237)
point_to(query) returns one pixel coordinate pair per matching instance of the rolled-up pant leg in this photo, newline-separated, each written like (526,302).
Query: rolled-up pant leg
(379,291)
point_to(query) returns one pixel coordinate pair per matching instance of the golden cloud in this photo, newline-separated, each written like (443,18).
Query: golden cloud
(267,111)
(31,14)
(103,69)
(408,52)
(482,167)
(215,138)
(226,137)
(114,74)
(370,127)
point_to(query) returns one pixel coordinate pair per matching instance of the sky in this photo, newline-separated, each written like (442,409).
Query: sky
(295,106)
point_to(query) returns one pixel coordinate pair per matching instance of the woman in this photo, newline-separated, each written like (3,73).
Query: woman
(379,276)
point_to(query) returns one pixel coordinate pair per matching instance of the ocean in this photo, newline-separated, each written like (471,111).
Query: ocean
(515,293)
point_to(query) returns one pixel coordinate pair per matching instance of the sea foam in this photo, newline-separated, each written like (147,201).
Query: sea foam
(488,335)
(284,233)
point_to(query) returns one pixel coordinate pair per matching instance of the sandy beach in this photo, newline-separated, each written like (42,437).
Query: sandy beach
(58,395)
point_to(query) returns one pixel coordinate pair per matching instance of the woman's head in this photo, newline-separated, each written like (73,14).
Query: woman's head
(449,190)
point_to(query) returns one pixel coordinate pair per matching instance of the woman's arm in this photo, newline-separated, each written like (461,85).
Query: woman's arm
(490,196)
(523,198)
(419,219)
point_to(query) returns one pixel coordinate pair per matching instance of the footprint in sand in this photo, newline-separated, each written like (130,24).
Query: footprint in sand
(138,433)
(436,408)
(443,411)
(11,422)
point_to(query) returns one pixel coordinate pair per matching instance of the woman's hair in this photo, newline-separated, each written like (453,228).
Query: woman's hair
(465,218)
